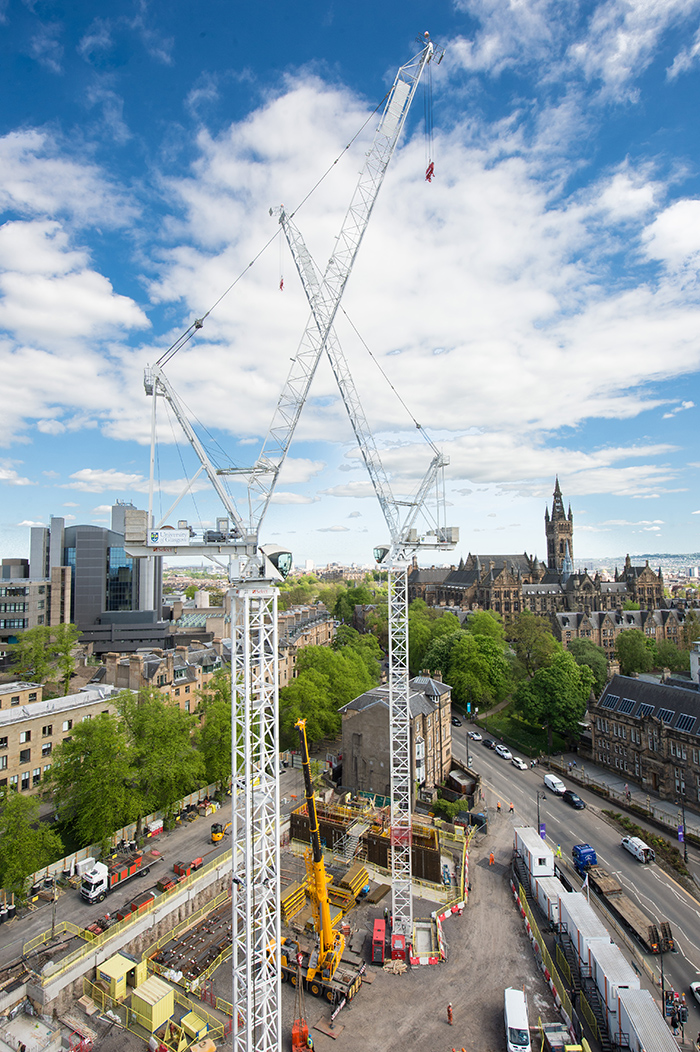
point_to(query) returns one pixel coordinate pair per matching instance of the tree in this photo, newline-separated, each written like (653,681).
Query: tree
(633,653)
(94,775)
(477,670)
(690,632)
(344,609)
(27,844)
(42,651)
(486,623)
(630,604)
(167,764)
(557,695)
(669,656)
(31,657)
(190,591)
(63,640)
(586,653)
(534,644)
(365,645)
(213,737)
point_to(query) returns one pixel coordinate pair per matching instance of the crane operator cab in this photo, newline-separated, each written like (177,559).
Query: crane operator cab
(277,562)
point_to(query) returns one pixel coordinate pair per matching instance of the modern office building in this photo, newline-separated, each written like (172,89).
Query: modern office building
(115,599)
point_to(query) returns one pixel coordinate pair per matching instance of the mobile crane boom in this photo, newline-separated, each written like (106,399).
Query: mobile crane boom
(332,941)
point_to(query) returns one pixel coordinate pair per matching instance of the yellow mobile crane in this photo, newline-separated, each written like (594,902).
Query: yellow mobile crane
(320,967)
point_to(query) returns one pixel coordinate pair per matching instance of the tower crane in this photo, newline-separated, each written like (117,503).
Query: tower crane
(253,571)
(404,538)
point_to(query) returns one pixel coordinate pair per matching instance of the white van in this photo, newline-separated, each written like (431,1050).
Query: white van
(517,1026)
(638,848)
(555,784)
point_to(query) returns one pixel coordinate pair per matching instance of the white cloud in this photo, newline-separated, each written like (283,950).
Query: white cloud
(332,529)
(9,476)
(674,235)
(99,480)
(30,522)
(292,498)
(70,504)
(679,409)
(686,58)
(45,47)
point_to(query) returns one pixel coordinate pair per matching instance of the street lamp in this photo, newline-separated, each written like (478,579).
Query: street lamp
(682,806)
(540,796)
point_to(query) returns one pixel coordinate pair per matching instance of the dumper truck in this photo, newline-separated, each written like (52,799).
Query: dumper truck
(608,888)
(103,878)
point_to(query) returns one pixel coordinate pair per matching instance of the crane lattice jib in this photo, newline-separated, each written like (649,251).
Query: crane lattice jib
(156,383)
(320,302)
(338,270)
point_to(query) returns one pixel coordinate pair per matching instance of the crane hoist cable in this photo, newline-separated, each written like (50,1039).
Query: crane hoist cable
(362,340)
(198,323)
(428,117)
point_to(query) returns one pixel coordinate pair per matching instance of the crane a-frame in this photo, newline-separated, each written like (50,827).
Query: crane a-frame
(253,571)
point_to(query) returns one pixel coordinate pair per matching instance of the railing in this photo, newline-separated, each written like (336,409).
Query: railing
(98,940)
(545,954)
(139,1024)
(589,1015)
(173,933)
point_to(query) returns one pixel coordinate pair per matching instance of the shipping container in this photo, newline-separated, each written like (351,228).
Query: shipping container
(583,925)
(538,857)
(546,890)
(611,973)
(641,1025)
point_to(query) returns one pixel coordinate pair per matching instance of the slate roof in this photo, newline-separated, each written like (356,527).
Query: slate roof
(422,698)
(677,707)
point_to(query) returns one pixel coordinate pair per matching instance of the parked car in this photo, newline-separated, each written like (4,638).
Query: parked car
(573,798)
(456,722)
(475,736)
(489,743)
(695,991)
(520,764)
(504,753)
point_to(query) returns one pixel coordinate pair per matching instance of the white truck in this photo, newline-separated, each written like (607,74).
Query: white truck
(101,879)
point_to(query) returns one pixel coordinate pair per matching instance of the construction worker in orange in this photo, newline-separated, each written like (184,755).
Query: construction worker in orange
(491,859)
(511,809)
(449,1013)
(498,807)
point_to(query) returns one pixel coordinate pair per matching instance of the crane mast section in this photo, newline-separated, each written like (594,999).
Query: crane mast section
(295,391)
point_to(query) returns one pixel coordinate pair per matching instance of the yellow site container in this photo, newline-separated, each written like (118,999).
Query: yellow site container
(119,972)
(193,1025)
(153,1002)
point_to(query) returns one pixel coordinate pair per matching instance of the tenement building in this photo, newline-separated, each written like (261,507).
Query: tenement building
(603,627)
(366,738)
(650,733)
(510,584)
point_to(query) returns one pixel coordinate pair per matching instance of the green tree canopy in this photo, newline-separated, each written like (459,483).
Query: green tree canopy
(630,604)
(586,653)
(690,632)
(633,653)
(669,656)
(27,844)
(486,623)
(367,646)
(213,737)
(356,595)
(477,670)
(167,763)
(42,652)
(532,639)
(557,695)
(95,779)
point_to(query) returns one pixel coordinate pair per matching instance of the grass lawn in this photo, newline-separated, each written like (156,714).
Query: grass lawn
(518,735)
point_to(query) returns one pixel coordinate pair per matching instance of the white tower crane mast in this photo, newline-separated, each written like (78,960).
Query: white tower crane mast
(256,892)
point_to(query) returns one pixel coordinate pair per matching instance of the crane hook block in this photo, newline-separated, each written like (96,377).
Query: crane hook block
(198,323)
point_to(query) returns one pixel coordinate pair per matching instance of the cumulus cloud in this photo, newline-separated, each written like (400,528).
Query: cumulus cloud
(679,409)
(99,480)
(10,477)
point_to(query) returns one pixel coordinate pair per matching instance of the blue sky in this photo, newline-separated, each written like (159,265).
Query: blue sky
(535,306)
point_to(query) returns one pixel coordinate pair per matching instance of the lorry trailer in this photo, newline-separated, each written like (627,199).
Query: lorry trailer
(619,903)
(101,879)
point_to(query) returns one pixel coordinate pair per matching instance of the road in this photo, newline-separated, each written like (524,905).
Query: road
(655,891)
(182,844)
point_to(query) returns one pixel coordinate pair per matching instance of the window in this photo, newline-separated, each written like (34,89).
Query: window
(187,690)
(47,731)
(40,605)
(67,725)
(36,775)
(25,736)
(40,619)
(3,763)
(32,696)
(47,768)
(14,700)
(88,717)
(25,755)
(46,749)
(177,692)
(14,779)
(3,743)
(25,780)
